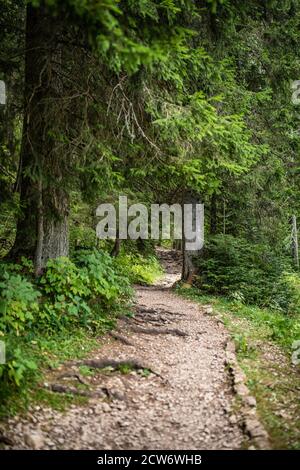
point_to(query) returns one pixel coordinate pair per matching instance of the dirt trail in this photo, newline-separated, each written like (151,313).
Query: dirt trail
(186,403)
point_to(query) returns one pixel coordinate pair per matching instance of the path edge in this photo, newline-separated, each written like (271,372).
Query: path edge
(250,421)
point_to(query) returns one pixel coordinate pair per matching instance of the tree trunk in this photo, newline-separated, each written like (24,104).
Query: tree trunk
(188,269)
(177,245)
(25,240)
(42,229)
(116,249)
(56,230)
(38,261)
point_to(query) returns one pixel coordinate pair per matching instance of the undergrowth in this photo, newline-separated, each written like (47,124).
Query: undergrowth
(61,314)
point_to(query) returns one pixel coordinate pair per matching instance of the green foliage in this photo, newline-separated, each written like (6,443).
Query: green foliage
(247,272)
(62,277)
(292,281)
(80,292)
(267,323)
(139,269)
(18,303)
(17,367)
(104,281)
(65,289)
(69,295)
(46,351)
(171,97)
(126,35)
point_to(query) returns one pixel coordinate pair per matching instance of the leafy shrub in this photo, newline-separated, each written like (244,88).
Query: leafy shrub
(62,277)
(245,272)
(139,269)
(17,366)
(105,281)
(18,303)
(68,293)
(66,290)
(84,292)
(25,267)
(80,291)
(292,282)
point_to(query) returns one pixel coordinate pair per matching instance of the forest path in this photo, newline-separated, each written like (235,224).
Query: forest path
(187,403)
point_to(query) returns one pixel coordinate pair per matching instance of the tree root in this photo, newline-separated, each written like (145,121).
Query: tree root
(58,388)
(158,331)
(73,375)
(144,311)
(6,440)
(102,363)
(103,393)
(156,320)
(120,338)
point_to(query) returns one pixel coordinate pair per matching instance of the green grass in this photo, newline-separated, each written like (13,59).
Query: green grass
(87,371)
(57,401)
(281,328)
(48,353)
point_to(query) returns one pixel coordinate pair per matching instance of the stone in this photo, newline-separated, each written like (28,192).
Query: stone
(34,440)
(233,419)
(106,408)
(207,309)
(250,401)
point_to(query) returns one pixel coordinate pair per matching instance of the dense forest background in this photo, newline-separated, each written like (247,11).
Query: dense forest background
(165,101)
